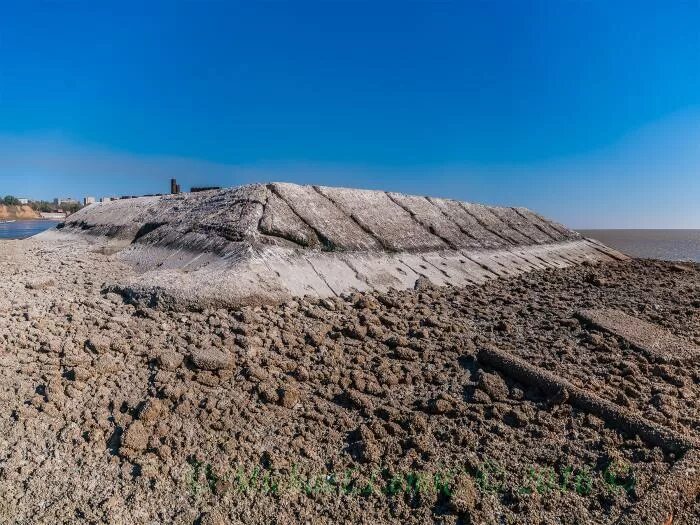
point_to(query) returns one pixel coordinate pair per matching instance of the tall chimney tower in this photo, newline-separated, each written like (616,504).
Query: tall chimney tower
(174,186)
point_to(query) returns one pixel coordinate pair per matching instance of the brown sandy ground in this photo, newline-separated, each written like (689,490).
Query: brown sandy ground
(348,407)
(18,212)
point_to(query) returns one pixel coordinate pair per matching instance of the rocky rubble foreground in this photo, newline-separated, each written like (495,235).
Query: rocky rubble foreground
(366,408)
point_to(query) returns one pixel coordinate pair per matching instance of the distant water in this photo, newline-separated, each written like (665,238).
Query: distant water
(24,229)
(671,245)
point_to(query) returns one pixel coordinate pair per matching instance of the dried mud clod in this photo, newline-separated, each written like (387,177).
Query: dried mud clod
(114,414)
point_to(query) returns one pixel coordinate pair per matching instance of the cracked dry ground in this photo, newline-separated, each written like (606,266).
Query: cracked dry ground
(114,414)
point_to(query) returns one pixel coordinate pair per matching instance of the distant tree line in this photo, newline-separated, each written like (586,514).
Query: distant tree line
(42,206)
(70,208)
(9,200)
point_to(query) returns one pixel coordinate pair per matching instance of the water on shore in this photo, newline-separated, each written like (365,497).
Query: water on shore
(24,229)
(670,245)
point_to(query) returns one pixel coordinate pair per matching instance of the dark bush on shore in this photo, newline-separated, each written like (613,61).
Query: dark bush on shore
(9,200)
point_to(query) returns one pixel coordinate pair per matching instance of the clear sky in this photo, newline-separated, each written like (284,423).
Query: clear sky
(588,112)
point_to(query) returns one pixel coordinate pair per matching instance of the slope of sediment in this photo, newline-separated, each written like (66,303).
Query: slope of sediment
(268,243)
(22,212)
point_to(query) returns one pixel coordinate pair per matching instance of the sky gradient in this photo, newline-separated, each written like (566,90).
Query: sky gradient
(588,112)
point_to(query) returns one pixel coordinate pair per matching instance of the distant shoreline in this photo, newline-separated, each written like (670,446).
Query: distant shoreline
(24,212)
(34,219)
(39,219)
(665,244)
(582,230)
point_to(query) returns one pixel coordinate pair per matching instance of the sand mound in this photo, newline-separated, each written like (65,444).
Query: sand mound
(269,243)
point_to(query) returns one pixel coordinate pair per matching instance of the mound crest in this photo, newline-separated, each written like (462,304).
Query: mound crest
(270,243)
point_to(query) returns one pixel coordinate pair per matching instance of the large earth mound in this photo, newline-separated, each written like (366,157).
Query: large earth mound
(268,243)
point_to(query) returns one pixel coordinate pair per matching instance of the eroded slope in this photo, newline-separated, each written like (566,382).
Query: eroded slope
(268,243)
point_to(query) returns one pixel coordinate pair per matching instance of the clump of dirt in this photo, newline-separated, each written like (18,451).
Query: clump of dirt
(365,408)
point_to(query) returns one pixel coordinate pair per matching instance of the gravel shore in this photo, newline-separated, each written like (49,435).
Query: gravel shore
(368,408)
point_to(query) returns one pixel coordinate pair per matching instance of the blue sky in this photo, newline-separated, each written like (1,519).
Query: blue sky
(588,112)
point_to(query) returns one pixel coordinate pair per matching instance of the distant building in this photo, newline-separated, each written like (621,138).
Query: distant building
(106,199)
(174,186)
(23,201)
(197,189)
(88,200)
(67,200)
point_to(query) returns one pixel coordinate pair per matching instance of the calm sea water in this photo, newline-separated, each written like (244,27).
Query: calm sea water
(671,245)
(24,229)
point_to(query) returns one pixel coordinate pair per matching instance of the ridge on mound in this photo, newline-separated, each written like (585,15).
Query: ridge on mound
(265,243)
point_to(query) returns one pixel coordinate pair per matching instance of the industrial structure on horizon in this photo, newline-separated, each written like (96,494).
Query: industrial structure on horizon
(66,200)
(88,200)
(175,188)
